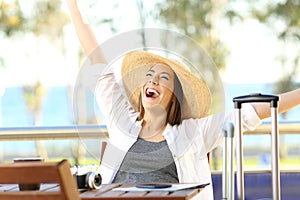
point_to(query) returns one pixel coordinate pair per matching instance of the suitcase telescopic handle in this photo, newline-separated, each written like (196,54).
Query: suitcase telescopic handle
(256,97)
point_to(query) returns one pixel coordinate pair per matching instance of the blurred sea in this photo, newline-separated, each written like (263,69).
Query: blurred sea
(57,111)
(57,105)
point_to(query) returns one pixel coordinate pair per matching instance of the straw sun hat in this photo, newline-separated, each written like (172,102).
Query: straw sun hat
(197,98)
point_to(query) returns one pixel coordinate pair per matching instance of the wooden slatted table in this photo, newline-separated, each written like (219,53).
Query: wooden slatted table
(107,192)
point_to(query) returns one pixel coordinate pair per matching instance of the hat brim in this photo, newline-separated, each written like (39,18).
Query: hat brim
(197,98)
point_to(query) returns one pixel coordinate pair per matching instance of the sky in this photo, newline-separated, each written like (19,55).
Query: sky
(253,49)
(253,54)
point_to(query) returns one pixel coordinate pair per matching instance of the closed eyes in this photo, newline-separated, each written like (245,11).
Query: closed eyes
(163,75)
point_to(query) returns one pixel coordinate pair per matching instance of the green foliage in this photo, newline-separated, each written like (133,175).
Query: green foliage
(48,19)
(196,20)
(287,12)
(190,16)
(33,96)
(282,16)
(11,18)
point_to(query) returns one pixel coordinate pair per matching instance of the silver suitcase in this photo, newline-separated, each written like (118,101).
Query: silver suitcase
(228,133)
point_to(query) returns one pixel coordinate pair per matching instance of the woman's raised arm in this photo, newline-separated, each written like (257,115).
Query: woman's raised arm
(287,101)
(85,34)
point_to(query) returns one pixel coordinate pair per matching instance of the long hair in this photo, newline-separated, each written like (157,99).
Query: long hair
(174,110)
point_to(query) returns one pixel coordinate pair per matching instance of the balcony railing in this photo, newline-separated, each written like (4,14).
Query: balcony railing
(100,132)
(287,127)
(53,132)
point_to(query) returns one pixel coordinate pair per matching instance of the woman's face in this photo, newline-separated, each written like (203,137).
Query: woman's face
(158,86)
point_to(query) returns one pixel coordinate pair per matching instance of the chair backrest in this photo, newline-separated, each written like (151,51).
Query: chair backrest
(39,172)
(103,147)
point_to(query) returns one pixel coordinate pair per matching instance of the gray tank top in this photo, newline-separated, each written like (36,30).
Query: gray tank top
(147,162)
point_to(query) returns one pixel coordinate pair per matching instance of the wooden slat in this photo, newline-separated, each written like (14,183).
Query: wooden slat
(96,193)
(27,172)
(67,182)
(38,172)
(134,194)
(29,195)
(187,194)
(157,194)
(111,193)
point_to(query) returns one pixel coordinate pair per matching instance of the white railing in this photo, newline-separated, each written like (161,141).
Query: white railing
(100,132)
(53,132)
(286,127)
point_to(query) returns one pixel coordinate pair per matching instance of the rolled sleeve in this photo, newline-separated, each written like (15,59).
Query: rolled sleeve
(250,119)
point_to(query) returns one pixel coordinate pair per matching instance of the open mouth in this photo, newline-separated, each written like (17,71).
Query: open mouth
(152,93)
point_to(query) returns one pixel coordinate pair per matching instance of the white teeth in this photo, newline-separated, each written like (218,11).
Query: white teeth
(149,90)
